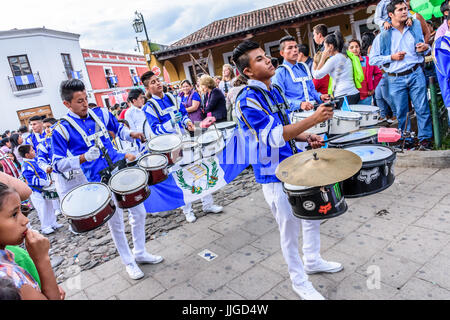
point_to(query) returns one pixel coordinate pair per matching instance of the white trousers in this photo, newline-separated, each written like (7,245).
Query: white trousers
(44,208)
(207,202)
(289,227)
(63,186)
(116,226)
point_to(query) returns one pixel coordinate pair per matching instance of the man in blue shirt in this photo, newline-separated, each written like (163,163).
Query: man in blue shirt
(74,146)
(271,140)
(295,78)
(37,134)
(401,52)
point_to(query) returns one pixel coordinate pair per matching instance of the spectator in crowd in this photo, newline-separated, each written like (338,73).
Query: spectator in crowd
(445,9)
(402,60)
(238,84)
(415,15)
(5,145)
(339,67)
(227,76)
(13,231)
(372,74)
(441,53)
(124,108)
(214,99)
(191,101)
(24,132)
(319,33)
(16,141)
(303,56)
(218,80)
(275,62)
(116,110)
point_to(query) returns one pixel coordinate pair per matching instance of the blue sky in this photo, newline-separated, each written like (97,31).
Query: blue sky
(106,25)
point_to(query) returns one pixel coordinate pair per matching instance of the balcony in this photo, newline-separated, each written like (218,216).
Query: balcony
(136,80)
(72,74)
(112,81)
(25,84)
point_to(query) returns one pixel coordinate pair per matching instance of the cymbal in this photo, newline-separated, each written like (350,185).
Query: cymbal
(319,167)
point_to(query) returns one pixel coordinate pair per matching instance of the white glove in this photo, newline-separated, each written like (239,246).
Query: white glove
(92,154)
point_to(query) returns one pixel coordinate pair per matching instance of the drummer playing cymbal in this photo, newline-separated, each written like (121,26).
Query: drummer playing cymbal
(272,139)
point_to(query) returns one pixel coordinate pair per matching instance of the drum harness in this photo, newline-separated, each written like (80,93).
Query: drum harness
(100,131)
(160,112)
(303,80)
(279,108)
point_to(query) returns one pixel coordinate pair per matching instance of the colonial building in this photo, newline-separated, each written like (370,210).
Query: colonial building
(33,63)
(208,49)
(113,74)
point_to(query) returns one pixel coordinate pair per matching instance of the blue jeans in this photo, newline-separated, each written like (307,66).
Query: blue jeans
(413,86)
(382,97)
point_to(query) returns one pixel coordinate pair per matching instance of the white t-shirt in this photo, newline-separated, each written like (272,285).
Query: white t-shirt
(340,68)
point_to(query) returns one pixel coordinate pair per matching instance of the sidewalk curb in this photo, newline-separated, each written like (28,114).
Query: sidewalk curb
(426,159)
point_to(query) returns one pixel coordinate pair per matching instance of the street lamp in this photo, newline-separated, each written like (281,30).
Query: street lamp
(139,25)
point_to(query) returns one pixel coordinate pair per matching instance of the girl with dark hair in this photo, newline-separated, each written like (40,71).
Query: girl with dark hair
(16,140)
(372,74)
(340,68)
(191,101)
(13,231)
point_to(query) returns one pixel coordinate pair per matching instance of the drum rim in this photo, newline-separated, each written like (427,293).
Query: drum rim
(375,163)
(342,142)
(231,124)
(88,215)
(208,143)
(164,150)
(123,193)
(376,110)
(166,161)
(309,190)
(337,116)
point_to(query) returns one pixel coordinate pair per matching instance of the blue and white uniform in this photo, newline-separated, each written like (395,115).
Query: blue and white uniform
(441,54)
(268,148)
(35,138)
(159,113)
(37,179)
(76,135)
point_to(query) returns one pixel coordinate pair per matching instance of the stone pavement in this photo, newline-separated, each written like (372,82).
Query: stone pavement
(401,254)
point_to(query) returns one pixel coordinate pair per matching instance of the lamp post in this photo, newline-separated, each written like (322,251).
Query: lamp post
(139,26)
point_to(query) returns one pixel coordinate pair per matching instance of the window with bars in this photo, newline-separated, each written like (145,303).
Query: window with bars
(67,62)
(23,77)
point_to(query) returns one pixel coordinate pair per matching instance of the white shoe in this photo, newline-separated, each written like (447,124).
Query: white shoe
(190,216)
(47,230)
(306,291)
(213,209)
(324,266)
(57,226)
(134,271)
(149,258)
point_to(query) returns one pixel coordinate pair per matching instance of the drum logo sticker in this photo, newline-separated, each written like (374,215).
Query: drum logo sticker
(337,191)
(309,205)
(324,209)
(368,176)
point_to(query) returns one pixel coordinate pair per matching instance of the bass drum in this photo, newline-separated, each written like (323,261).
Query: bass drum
(316,203)
(88,206)
(377,171)
(365,136)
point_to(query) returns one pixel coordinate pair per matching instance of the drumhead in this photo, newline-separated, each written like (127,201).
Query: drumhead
(223,125)
(153,161)
(209,136)
(358,135)
(85,199)
(164,143)
(364,108)
(302,115)
(369,153)
(128,179)
(350,115)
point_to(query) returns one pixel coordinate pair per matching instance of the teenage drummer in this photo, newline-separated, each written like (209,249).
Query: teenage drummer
(272,140)
(162,122)
(81,133)
(295,78)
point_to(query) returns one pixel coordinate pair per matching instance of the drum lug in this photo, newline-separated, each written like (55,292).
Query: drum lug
(338,121)
(324,194)
(94,218)
(386,169)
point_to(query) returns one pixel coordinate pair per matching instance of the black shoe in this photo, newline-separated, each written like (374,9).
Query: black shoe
(425,145)
(409,144)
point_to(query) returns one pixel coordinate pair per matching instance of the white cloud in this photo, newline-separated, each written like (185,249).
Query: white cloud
(106,24)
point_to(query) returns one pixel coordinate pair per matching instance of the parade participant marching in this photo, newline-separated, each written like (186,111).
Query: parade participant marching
(158,112)
(135,116)
(441,54)
(271,141)
(295,78)
(79,133)
(38,133)
(37,179)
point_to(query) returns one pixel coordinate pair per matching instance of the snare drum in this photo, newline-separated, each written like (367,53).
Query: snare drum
(370,114)
(226,127)
(319,128)
(88,206)
(316,203)
(191,152)
(168,144)
(377,171)
(364,136)
(50,193)
(156,167)
(344,122)
(211,143)
(130,187)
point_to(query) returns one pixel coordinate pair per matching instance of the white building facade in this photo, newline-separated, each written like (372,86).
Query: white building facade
(33,63)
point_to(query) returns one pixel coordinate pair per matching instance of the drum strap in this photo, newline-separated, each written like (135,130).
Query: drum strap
(303,80)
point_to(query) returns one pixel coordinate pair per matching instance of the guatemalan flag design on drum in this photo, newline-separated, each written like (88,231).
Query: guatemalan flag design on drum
(190,182)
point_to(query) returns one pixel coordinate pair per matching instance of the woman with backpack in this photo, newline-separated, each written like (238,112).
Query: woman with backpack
(340,67)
